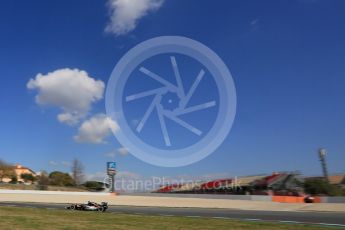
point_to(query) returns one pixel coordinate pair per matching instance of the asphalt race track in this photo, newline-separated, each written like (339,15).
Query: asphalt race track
(320,218)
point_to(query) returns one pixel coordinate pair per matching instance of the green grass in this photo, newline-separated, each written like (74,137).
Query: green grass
(12,218)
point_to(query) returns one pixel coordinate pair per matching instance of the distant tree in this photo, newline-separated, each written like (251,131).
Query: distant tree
(43,181)
(94,185)
(14,179)
(6,170)
(27,177)
(61,179)
(77,171)
(321,187)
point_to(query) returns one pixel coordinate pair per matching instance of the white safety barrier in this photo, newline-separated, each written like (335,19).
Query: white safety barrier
(41,192)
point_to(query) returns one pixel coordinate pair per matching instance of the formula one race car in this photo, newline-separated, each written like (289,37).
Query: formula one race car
(89,206)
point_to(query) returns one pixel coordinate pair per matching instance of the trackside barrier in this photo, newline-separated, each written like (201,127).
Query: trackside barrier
(334,199)
(38,192)
(281,199)
(204,196)
(293,199)
(322,199)
(288,199)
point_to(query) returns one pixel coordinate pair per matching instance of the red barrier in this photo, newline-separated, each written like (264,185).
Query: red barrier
(293,199)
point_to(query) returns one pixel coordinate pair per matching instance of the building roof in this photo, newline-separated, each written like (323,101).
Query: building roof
(18,166)
(246,181)
(337,179)
(270,180)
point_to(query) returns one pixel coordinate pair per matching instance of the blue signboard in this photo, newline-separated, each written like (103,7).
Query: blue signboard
(111,168)
(111,165)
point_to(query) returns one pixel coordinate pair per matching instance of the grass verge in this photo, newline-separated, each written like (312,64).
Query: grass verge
(12,218)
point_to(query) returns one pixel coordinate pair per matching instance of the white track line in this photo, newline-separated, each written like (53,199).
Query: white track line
(290,222)
(335,225)
(221,217)
(166,215)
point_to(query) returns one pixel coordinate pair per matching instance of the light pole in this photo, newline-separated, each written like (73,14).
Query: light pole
(322,156)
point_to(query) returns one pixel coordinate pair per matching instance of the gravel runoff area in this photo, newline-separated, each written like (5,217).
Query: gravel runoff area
(150,201)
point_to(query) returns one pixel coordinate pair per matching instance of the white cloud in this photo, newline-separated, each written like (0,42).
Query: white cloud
(114,153)
(97,176)
(125,14)
(66,163)
(70,118)
(123,151)
(61,163)
(96,129)
(122,177)
(54,163)
(128,175)
(72,90)
(111,154)
(254,22)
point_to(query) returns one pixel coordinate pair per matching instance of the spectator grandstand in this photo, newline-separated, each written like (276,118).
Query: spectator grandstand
(277,183)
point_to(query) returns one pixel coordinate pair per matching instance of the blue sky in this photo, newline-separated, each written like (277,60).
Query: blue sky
(287,59)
